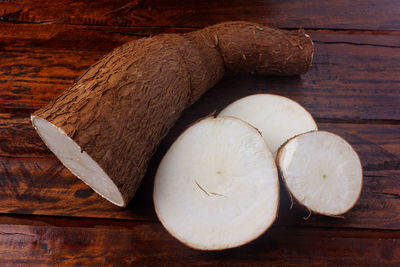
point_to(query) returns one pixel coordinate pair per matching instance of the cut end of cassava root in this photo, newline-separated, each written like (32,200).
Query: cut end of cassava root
(278,118)
(322,172)
(217,187)
(77,161)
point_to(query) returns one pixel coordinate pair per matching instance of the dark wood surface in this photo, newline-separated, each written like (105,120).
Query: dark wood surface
(314,14)
(48,217)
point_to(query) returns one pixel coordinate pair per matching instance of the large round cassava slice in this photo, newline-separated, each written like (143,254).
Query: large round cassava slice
(321,171)
(277,117)
(217,187)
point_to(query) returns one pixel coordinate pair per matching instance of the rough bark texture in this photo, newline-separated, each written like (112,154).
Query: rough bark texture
(122,106)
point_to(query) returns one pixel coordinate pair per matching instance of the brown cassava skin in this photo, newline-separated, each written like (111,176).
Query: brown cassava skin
(121,107)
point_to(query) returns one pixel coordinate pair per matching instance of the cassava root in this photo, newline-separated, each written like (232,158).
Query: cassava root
(107,125)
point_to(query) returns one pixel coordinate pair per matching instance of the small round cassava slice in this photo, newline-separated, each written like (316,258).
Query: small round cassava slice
(277,117)
(217,187)
(321,171)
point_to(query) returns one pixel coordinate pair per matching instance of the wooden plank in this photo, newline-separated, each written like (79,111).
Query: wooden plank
(346,80)
(377,144)
(45,187)
(146,243)
(104,38)
(341,14)
(42,186)
(34,182)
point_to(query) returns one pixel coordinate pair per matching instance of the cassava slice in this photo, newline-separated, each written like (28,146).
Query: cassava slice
(106,127)
(217,187)
(277,117)
(321,171)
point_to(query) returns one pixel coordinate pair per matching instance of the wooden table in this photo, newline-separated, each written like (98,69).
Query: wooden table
(49,217)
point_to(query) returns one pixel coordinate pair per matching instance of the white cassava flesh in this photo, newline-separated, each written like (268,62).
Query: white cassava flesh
(277,117)
(321,171)
(77,161)
(217,187)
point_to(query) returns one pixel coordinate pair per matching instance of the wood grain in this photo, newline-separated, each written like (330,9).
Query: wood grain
(341,14)
(351,77)
(34,182)
(146,243)
(352,89)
